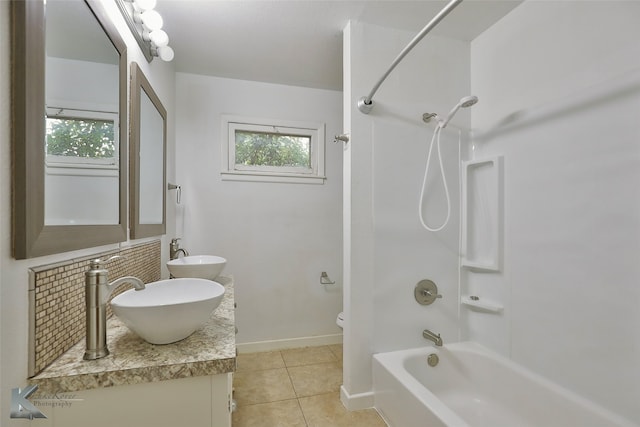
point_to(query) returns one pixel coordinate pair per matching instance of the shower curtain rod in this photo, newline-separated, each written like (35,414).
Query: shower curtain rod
(365,104)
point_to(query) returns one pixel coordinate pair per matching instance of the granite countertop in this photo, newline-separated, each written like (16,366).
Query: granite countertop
(210,350)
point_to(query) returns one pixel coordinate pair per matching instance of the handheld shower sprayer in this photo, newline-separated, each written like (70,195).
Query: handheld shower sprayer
(465,102)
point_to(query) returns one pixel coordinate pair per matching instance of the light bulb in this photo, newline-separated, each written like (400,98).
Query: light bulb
(145,4)
(165,53)
(151,19)
(159,38)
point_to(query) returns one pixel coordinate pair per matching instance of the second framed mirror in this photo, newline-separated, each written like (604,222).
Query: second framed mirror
(148,142)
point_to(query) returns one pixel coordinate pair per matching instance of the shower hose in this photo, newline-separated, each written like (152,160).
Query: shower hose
(436,137)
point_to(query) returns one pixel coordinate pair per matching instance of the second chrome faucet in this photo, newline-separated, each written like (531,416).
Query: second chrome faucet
(175,249)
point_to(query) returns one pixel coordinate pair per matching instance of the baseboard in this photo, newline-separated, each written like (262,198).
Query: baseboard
(356,402)
(274,345)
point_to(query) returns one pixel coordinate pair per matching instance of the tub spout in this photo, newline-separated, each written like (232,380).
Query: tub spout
(427,334)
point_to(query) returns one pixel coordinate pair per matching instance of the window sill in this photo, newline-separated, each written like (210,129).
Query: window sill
(75,170)
(271,177)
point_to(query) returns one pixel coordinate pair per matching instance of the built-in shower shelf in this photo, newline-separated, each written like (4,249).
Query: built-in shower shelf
(481,304)
(479,266)
(482,189)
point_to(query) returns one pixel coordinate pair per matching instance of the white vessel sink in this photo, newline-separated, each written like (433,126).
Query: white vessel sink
(200,266)
(168,310)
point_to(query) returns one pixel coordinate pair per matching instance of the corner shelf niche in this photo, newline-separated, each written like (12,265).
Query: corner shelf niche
(482,194)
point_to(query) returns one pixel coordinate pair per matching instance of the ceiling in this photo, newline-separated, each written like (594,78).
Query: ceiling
(299,42)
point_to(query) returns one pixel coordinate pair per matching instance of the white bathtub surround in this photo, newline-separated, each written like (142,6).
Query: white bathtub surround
(560,103)
(386,250)
(472,386)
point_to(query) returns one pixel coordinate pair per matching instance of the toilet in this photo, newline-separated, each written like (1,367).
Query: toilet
(340,319)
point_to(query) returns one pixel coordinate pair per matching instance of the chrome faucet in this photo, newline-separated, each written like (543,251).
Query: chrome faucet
(175,249)
(97,290)
(432,337)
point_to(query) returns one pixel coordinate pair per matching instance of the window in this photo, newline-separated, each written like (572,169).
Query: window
(80,139)
(272,150)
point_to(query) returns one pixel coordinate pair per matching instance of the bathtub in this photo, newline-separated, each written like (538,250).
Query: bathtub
(472,386)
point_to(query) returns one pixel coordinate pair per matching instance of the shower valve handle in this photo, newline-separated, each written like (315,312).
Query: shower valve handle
(426,292)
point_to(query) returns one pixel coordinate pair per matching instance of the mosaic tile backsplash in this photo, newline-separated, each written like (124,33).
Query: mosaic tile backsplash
(57,305)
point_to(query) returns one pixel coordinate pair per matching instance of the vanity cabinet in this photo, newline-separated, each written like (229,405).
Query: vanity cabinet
(187,383)
(203,401)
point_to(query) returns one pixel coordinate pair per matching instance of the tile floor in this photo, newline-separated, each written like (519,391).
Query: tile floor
(294,388)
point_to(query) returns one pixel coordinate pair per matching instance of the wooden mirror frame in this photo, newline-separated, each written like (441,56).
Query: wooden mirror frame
(139,83)
(31,237)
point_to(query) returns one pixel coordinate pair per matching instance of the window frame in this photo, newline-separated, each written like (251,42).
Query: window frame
(315,130)
(65,165)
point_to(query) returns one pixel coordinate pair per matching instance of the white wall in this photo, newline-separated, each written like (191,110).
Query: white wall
(559,89)
(71,83)
(276,237)
(387,251)
(14,274)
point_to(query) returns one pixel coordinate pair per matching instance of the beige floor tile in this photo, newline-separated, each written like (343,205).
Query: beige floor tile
(308,356)
(315,379)
(326,410)
(262,386)
(337,350)
(285,413)
(259,361)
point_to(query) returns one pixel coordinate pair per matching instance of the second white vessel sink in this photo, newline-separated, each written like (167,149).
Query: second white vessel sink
(168,310)
(200,266)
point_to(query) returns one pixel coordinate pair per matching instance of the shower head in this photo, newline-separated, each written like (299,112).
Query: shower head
(468,101)
(465,102)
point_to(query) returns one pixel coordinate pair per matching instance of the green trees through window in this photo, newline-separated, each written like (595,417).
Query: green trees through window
(79,137)
(272,149)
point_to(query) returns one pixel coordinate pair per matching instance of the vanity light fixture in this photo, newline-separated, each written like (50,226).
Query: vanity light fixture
(144,4)
(146,25)
(157,37)
(163,52)
(159,44)
(150,19)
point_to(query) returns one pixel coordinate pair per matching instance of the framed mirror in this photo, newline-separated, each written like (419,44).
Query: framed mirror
(69,127)
(148,145)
